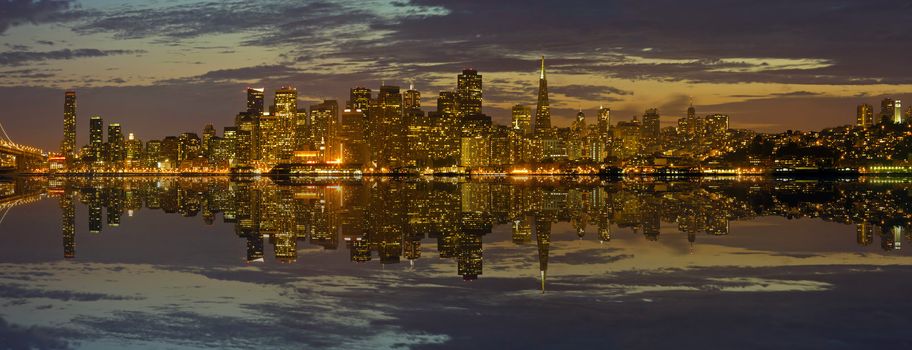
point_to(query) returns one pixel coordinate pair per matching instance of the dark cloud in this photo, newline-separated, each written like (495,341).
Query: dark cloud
(590,92)
(15,58)
(9,291)
(20,337)
(797,94)
(246,73)
(18,12)
(814,42)
(30,73)
(268,23)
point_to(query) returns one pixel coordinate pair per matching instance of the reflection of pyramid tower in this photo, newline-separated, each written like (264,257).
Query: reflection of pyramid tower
(543,239)
(691,237)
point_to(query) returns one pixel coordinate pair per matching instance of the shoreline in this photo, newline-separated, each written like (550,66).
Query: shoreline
(497,175)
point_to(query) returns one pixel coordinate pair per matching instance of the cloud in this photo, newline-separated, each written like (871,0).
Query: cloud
(16,58)
(9,291)
(20,337)
(30,73)
(590,92)
(18,12)
(797,94)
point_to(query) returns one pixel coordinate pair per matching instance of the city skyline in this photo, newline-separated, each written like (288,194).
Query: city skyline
(123,72)
(393,132)
(455,174)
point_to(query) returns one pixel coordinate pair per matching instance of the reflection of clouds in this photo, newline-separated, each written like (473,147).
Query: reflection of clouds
(137,303)
(749,284)
(18,337)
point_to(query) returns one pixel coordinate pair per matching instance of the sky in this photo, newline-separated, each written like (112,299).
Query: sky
(169,66)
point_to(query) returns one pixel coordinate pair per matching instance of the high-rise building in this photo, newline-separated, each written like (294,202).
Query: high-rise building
(897,112)
(303,136)
(386,128)
(604,120)
(447,126)
(255,98)
(691,130)
(651,128)
(469,92)
(153,154)
(133,150)
(446,103)
(522,119)
(864,116)
(887,110)
(576,140)
(359,98)
(353,137)
(208,134)
(189,146)
(228,150)
(418,142)
(96,138)
(324,119)
(246,148)
(475,151)
(116,144)
(411,98)
(715,129)
(543,108)
(277,128)
(68,146)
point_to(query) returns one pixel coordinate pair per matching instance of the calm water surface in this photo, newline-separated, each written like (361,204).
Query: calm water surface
(500,263)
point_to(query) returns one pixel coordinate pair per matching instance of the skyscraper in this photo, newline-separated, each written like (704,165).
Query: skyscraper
(651,130)
(897,112)
(324,119)
(887,109)
(68,146)
(715,129)
(411,98)
(133,150)
(604,120)
(386,128)
(864,115)
(469,92)
(277,128)
(116,144)
(576,141)
(245,148)
(208,134)
(446,141)
(255,97)
(522,119)
(352,137)
(96,138)
(359,98)
(543,109)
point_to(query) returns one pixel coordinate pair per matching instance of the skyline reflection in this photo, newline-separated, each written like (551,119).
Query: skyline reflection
(401,220)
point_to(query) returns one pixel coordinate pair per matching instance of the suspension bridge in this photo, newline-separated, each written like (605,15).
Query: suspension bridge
(17,158)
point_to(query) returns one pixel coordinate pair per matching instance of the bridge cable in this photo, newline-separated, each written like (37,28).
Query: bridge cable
(4,214)
(5,134)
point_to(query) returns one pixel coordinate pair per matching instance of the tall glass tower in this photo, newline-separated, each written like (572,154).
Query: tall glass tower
(68,146)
